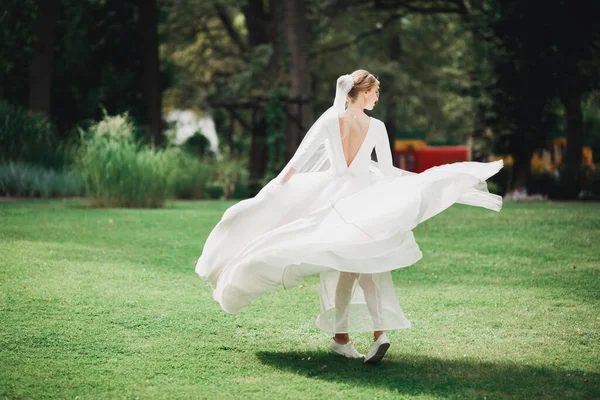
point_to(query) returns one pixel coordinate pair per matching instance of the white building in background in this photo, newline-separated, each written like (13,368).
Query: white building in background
(187,123)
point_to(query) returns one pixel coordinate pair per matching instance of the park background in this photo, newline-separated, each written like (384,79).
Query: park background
(210,99)
(127,128)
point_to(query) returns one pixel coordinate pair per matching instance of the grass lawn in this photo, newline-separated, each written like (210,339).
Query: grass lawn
(105,303)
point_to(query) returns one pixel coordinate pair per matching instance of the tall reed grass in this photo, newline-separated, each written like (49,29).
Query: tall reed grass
(117,171)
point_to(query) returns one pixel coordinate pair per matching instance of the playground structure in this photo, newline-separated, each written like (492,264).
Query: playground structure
(413,153)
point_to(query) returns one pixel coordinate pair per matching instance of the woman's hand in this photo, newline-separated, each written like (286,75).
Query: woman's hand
(288,175)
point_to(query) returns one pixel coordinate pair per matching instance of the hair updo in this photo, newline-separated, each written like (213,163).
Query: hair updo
(363,82)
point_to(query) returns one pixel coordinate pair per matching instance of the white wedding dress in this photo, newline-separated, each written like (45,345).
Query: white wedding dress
(350,224)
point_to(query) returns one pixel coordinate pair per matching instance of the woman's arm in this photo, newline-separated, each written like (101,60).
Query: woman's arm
(306,150)
(289,174)
(384,156)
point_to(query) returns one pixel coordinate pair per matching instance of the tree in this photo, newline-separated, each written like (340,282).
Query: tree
(44,34)
(98,63)
(239,50)
(299,72)
(575,60)
(539,53)
(150,68)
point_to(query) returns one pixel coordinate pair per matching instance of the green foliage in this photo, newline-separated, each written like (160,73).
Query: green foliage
(591,189)
(545,183)
(423,63)
(117,171)
(498,183)
(561,185)
(275,116)
(97,59)
(241,191)
(230,171)
(569,184)
(205,59)
(26,180)
(214,190)
(188,175)
(115,127)
(199,144)
(103,37)
(493,187)
(29,138)
(535,73)
(425,78)
(591,121)
(15,52)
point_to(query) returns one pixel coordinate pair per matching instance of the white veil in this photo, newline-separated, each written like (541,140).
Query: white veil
(307,158)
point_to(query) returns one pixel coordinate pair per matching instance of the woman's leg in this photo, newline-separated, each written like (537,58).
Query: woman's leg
(371,296)
(343,294)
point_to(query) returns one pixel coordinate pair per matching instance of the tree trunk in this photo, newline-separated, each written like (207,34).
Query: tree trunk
(44,35)
(151,70)
(391,102)
(258,151)
(574,127)
(521,169)
(522,145)
(571,174)
(300,85)
(257,26)
(476,75)
(276,66)
(256,22)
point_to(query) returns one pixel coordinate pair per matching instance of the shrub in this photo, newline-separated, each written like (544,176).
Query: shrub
(498,183)
(241,191)
(545,183)
(114,127)
(188,174)
(230,171)
(198,144)
(27,180)
(495,188)
(591,188)
(214,190)
(564,185)
(568,185)
(28,138)
(117,171)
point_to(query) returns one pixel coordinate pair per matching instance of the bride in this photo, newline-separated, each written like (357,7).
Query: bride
(334,211)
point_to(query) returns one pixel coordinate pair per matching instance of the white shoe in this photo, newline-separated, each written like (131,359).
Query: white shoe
(378,350)
(347,350)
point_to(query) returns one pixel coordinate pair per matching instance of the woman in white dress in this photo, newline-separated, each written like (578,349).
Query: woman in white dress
(334,211)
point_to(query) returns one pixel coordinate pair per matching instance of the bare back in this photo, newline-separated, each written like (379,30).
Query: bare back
(353,132)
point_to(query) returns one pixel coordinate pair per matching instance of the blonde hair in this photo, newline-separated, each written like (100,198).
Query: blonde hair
(363,82)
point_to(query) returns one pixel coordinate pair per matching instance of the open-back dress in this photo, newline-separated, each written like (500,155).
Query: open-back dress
(352,224)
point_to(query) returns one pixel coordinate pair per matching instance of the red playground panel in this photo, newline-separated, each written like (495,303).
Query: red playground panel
(431,156)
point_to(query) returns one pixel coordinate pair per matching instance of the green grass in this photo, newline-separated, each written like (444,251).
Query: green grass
(503,305)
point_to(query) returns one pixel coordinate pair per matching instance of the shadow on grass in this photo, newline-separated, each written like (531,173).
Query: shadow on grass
(416,374)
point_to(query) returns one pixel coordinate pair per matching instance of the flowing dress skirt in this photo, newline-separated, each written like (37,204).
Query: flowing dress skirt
(353,229)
